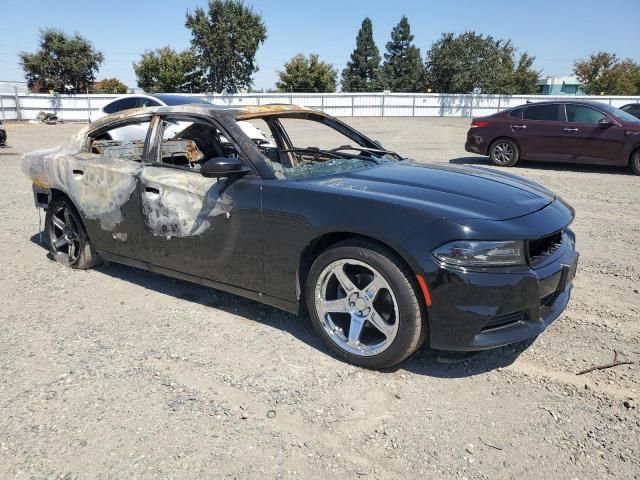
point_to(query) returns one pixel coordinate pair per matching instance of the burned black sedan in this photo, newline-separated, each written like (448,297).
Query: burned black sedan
(310,215)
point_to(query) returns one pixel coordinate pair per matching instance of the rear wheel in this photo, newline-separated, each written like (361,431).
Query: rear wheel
(635,161)
(67,239)
(363,303)
(504,152)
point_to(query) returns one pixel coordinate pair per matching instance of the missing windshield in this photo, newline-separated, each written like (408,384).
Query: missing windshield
(305,146)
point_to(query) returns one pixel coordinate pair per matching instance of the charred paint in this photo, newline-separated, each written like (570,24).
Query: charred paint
(179,203)
(97,185)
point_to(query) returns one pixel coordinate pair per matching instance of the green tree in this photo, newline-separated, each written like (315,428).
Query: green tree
(165,70)
(64,63)
(525,77)
(225,40)
(302,74)
(112,85)
(604,72)
(402,70)
(362,71)
(471,62)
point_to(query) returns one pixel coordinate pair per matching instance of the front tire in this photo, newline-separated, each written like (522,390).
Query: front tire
(363,302)
(504,152)
(66,237)
(635,161)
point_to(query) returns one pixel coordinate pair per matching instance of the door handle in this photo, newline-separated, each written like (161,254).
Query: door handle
(152,190)
(518,127)
(78,172)
(571,129)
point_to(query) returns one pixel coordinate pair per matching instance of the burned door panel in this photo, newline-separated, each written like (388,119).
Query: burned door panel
(103,189)
(177,203)
(201,226)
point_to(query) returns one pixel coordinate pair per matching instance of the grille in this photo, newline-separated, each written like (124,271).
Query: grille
(503,320)
(547,299)
(542,248)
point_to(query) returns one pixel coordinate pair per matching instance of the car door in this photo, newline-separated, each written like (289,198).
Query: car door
(586,141)
(205,227)
(539,133)
(105,190)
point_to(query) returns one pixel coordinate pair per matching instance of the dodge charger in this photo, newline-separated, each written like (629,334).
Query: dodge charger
(382,252)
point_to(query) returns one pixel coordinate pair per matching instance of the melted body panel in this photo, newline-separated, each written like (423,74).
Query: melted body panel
(99,186)
(178,203)
(206,227)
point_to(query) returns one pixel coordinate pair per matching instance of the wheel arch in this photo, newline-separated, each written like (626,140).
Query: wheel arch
(325,241)
(505,137)
(635,149)
(57,194)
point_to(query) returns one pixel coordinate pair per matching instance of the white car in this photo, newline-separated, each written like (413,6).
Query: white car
(138,132)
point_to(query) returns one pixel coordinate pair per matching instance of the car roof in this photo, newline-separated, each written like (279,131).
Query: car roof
(246,112)
(592,103)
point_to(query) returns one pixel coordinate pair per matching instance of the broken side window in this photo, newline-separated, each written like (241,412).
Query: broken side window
(125,143)
(189,144)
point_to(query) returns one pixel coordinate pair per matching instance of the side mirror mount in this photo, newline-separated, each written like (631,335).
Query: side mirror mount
(605,123)
(223,167)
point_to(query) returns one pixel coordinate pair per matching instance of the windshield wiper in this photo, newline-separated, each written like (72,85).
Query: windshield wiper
(314,150)
(366,149)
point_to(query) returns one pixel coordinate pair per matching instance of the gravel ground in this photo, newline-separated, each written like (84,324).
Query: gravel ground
(118,373)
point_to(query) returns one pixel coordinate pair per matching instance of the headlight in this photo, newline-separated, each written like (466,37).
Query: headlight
(467,253)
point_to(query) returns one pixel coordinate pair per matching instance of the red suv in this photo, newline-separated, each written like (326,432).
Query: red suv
(566,131)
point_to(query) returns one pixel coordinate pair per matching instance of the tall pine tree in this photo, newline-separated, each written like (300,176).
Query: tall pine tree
(402,70)
(362,71)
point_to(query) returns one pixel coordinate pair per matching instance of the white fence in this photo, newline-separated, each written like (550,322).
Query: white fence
(78,107)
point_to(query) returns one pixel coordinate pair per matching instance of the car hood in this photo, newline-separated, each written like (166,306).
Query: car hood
(446,190)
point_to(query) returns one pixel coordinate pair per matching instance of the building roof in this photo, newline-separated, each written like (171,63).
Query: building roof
(568,80)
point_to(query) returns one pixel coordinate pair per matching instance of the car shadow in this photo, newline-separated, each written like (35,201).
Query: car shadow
(555,166)
(441,364)
(297,326)
(8,150)
(425,361)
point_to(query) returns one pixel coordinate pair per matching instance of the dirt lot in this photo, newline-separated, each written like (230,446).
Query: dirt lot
(118,373)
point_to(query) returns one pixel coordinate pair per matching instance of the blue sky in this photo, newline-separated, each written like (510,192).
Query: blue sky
(556,32)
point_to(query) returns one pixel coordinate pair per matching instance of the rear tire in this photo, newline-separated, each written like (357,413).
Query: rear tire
(504,152)
(635,161)
(372,316)
(66,237)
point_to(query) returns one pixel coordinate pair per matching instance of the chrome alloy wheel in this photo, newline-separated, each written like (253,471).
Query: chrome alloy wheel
(64,235)
(356,307)
(503,152)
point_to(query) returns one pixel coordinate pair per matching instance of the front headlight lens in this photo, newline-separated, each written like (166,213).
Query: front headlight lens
(467,253)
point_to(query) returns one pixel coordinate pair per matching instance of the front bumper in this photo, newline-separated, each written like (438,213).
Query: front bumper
(481,310)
